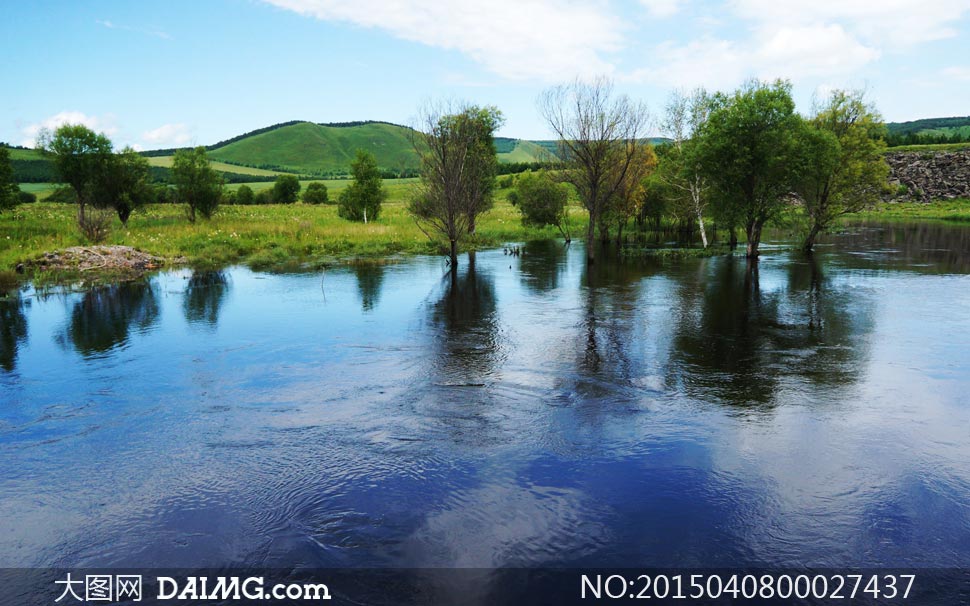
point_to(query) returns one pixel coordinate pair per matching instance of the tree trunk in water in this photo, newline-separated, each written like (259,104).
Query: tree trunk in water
(754,239)
(604,233)
(809,243)
(471,223)
(619,235)
(700,225)
(734,238)
(454,255)
(591,241)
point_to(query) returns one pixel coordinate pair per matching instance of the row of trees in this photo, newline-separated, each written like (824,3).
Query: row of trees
(742,157)
(898,139)
(101,179)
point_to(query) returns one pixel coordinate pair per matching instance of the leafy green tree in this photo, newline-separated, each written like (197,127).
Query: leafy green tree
(482,122)
(263,197)
(316,193)
(286,189)
(598,136)
(750,151)
(244,195)
(458,163)
(361,200)
(679,166)
(9,190)
(625,202)
(845,171)
(655,200)
(542,201)
(196,183)
(124,184)
(80,158)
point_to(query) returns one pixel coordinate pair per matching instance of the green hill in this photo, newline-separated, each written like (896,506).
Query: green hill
(327,149)
(934,125)
(316,149)
(929,130)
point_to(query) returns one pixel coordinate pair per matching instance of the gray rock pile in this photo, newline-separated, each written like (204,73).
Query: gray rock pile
(928,176)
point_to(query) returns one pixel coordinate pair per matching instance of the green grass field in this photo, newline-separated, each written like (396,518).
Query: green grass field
(930,147)
(260,236)
(25,154)
(526,151)
(943,210)
(166,162)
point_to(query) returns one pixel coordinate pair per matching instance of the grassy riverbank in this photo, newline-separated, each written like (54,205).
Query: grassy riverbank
(278,236)
(944,210)
(259,236)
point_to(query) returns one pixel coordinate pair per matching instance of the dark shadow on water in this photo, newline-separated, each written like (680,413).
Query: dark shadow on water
(205,294)
(610,292)
(370,282)
(926,247)
(105,316)
(467,337)
(736,343)
(542,265)
(13,329)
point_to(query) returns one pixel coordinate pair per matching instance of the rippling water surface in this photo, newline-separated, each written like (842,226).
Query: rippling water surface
(531,411)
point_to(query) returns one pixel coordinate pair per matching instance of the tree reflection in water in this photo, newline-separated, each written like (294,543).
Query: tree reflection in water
(370,282)
(104,317)
(204,296)
(466,314)
(738,343)
(13,329)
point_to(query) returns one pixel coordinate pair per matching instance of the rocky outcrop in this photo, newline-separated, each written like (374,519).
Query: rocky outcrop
(928,176)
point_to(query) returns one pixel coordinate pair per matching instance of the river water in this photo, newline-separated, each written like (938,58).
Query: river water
(529,411)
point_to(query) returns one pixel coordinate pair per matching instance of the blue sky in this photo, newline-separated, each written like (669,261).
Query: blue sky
(172,73)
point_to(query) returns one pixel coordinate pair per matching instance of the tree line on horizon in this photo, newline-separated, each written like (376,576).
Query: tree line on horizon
(739,158)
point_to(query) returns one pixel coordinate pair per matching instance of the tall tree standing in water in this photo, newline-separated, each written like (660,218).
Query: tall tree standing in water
(846,172)
(680,169)
(458,166)
(599,136)
(752,153)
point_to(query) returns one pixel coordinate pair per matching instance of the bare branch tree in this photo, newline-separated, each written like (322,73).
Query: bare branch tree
(599,134)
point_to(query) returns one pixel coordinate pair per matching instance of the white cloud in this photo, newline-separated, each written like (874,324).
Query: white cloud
(551,40)
(168,134)
(815,50)
(709,62)
(103,124)
(899,22)
(957,73)
(137,30)
(787,52)
(662,8)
